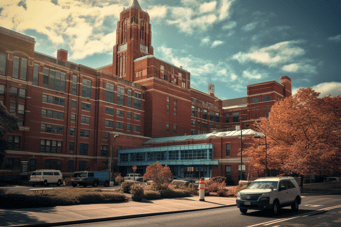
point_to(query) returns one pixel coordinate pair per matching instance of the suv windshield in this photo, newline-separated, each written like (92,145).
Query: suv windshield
(263,185)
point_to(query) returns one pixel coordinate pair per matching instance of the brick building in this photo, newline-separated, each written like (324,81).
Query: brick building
(69,113)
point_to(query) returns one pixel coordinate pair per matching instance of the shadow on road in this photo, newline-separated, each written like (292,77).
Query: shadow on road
(281,213)
(12,217)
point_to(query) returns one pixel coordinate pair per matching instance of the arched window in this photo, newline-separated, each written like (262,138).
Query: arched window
(124,30)
(143,33)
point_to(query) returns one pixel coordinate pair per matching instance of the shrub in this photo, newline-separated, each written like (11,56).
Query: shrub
(173,194)
(157,187)
(180,183)
(221,193)
(158,173)
(137,192)
(152,195)
(213,186)
(219,179)
(126,186)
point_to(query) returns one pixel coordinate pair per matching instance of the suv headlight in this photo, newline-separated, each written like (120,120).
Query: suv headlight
(238,196)
(265,196)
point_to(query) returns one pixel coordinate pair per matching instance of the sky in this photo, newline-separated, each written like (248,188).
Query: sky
(233,43)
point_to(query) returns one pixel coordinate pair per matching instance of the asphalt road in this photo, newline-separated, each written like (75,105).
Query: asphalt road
(314,211)
(26,189)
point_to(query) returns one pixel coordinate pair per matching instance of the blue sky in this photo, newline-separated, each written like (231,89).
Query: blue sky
(235,43)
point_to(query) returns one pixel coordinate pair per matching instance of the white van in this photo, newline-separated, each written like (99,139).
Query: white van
(270,193)
(46,177)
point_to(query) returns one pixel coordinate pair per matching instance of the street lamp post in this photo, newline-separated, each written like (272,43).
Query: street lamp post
(266,154)
(112,155)
(241,149)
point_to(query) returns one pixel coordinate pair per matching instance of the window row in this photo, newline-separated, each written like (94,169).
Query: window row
(17,92)
(51,146)
(13,108)
(54,100)
(54,79)
(52,114)
(51,128)
(83,132)
(264,99)
(110,88)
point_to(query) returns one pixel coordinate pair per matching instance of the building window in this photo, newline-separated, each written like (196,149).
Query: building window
(53,164)
(19,67)
(120,96)
(54,100)
(72,131)
(12,163)
(85,133)
(85,120)
(33,163)
(51,146)
(104,150)
(74,84)
(227,118)
(83,149)
(137,117)
(21,109)
(35,74)
(54,79)
(266,98)
(204,125)
(119,113)
(46,78)
(106,135)
(109,110)
(167,111)
(109,123)
(119,125)
(128,127)
(86,88)
(167,98)
(235,116)
(204,115)
(73,117)
(136,128)
(165,77)
(228,149)
(73,104)
(217,117)
(137,100)
(174,128)
(193,111)
(70,167)
(12,107)
(82,165)
(2,89)
(228,172)
(13,143)
(192,132)
(86,106)
(22,93)
(129,115)
(174,113)
(255,100)
(3,59)
(199,124)
(193,122)
(110,93)
(14,92)
(129,98)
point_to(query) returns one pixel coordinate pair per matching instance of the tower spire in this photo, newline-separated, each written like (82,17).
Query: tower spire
(136,5)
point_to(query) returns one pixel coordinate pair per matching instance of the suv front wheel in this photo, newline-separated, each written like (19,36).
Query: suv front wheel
(294,206)
(243,210)
(275,208)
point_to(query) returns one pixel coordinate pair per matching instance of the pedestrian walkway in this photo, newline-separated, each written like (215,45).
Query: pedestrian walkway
(110,211)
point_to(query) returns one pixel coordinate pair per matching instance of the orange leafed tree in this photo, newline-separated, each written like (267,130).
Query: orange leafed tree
(303,135)
(158,173)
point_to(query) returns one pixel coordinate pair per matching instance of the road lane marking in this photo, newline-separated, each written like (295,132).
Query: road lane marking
(302,215)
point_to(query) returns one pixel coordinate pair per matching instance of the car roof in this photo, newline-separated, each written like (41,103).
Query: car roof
(274,178)
(45,170)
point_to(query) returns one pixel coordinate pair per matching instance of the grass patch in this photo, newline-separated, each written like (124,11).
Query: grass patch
(58,197)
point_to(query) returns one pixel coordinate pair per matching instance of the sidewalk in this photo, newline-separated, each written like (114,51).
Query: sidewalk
(63,215)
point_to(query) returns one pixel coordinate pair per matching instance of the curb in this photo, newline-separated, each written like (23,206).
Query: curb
(119,218)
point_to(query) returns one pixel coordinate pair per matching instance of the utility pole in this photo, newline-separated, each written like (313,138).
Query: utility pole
(112,155)
(241,149)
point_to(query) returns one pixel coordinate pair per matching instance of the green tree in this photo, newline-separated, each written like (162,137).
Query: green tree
(8,122)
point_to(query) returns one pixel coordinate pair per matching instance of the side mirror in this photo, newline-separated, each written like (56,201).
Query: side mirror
(272,188)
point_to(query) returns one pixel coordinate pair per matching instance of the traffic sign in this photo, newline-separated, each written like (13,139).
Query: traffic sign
(134,168)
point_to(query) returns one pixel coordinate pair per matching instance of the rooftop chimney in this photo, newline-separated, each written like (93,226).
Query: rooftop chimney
(62,55)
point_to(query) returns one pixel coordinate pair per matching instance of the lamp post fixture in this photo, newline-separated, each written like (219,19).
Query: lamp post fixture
(266,153)
(241,149)
(112,154)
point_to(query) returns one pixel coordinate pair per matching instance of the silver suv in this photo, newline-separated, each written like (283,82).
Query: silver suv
(270,193)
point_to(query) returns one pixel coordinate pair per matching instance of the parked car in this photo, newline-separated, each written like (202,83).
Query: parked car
(270,193)
(93,178)
(333,179)
(229,181)
(197,182)
(130,176)
(46,177)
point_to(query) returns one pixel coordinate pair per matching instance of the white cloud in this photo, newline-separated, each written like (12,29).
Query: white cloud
(273,55)
(233,77)
(252,75)
(299,67)
(336,38)
(225,9)
(79,23)
(208,7)
(229,25)
(250,26)
(217,43)
(157,12)
(205,41)
(327,88)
